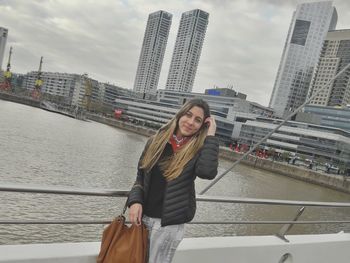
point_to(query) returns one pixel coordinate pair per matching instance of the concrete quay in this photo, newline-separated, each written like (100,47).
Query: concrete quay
(141,130)
(333,181)
(19,99)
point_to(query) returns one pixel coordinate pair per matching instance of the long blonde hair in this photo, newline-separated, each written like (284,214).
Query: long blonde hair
(173,166)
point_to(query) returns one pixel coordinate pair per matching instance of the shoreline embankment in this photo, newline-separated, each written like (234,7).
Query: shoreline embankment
(20,99)
(333,181)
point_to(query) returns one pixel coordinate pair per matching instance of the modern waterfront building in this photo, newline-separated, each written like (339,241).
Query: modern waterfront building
(226,92)
(244,122)
(221,104)
(160,110)
(187,50)
(336,117)
(3,39)
(308,28)
(313,141)
(152,52)
(111,92)
(334,57)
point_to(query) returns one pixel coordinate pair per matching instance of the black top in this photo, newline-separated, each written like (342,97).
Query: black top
(154,204)
(179,197)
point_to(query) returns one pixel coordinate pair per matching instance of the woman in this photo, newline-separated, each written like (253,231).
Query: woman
(163,195)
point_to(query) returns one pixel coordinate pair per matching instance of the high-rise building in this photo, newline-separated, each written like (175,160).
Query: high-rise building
(334,57)
(152,52)
(308,28)
(187,51)
(3,39)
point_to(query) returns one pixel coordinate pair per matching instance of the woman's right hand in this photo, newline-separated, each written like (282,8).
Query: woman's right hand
(210,121)
(135,214)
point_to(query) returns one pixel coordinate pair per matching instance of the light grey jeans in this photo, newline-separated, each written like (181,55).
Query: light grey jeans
(162,241)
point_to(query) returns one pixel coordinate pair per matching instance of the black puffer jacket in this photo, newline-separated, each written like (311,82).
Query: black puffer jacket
(179,204)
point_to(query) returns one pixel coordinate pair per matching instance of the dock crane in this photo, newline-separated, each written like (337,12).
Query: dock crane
(6,84)
(36,94)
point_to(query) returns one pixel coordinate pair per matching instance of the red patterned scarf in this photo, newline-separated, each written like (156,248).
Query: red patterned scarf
(176,143)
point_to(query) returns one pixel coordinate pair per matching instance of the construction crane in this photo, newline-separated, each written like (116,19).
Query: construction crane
(36,93)
(6,84)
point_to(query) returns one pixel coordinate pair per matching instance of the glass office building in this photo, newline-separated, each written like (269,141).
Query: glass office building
(308,28)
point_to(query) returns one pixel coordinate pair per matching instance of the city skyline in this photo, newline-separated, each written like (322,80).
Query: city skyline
(243,45)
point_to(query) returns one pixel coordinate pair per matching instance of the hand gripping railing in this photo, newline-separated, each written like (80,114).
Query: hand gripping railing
(200,198)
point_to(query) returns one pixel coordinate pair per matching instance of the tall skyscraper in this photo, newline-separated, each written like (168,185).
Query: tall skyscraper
(152,52)
(308,28)
(334,57)
(187,51)
(3,39)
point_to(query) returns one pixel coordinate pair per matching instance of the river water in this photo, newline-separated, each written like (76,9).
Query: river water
(43,148)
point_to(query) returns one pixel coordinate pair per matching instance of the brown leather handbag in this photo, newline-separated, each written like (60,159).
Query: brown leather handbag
(123,244)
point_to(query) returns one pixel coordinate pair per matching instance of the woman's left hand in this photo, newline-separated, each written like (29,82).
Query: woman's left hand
(210,121)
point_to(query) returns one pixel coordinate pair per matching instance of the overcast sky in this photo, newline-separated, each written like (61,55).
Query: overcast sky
(103,38)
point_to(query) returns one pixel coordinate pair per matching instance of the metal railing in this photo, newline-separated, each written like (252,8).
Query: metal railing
(199,198)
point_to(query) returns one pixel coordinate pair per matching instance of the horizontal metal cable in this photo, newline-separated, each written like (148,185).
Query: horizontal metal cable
(260,201)
(124,193)
(62,190)
(105,222)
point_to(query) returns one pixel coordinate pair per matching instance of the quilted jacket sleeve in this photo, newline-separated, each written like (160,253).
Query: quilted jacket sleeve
(136,192)
(207,163)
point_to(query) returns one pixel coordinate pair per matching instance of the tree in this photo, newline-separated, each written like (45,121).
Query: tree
(285,156)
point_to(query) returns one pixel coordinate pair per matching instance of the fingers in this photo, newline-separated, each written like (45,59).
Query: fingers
(135,214)
(212,125)
(210,120)
(139,217)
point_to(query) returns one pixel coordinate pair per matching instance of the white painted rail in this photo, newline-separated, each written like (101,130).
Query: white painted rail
(325,248)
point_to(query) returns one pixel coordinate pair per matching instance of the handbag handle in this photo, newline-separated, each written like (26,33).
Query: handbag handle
(127,199)
(125,206)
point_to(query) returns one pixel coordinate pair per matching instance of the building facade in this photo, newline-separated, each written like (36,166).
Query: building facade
(308,28)
(76,90)
(87,92)
(54,83)
(335,117)
(334,57)
(152,52)
(316,142)
(160,110)
(187,50)
(227,92)
(244,122)
(3,40)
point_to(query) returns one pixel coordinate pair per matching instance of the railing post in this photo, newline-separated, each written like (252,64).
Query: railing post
(284,229)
